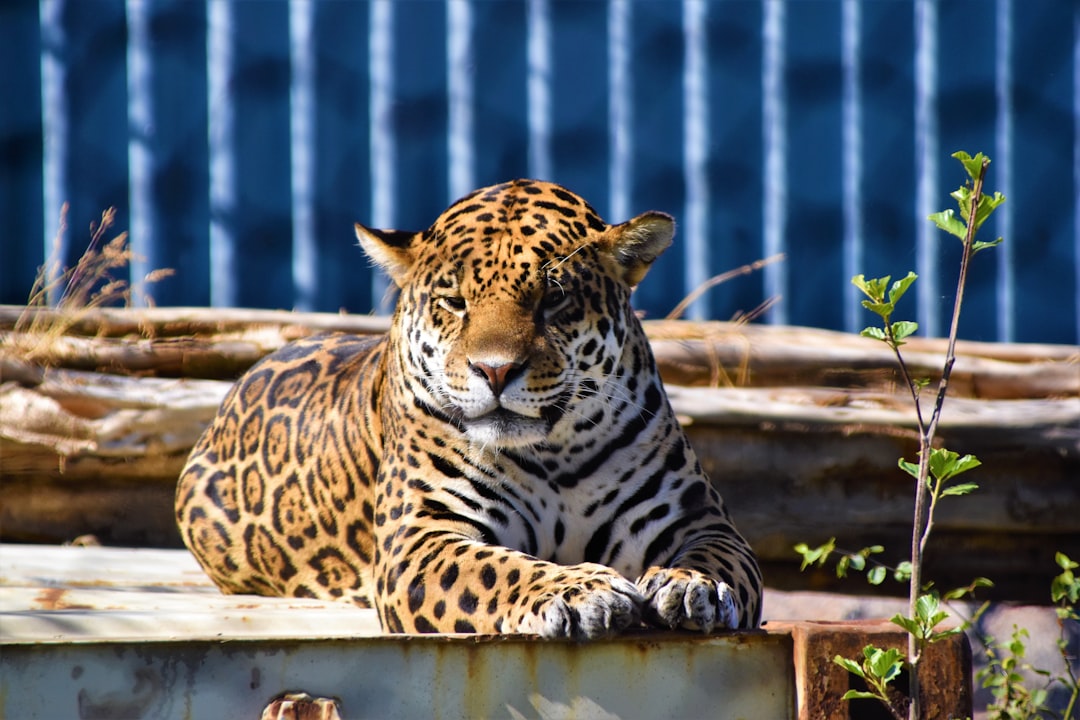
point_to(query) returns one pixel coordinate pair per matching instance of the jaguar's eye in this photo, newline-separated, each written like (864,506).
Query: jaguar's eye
(452,303)
(554,299)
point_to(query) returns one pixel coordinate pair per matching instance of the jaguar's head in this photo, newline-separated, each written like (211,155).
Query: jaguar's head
(514,309)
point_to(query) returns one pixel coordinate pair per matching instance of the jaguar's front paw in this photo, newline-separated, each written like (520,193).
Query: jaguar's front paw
(680,598)
(584,603)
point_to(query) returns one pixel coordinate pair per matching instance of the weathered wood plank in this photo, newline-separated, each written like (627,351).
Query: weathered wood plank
(196,342)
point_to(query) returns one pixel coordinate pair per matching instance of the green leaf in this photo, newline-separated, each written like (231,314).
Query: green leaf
(873,288)
(967,462)
(815,555)
(900,287)
(987,205)
(910,468)
(942,462)
(961,489)
(926,607)
(907,624)
(980,245)
(850,665)
(881,309)
(947,221)
(958,593)
(876,576)
(962,196)
(1066,586)
(873,332)
(886,664)
(903,571)
(860,282)
(902,329)
(973,165)
(945,464)
(949,632)
(928,615)
(859,695)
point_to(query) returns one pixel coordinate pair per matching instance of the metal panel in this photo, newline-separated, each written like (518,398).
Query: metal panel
(105,632)
(746,676)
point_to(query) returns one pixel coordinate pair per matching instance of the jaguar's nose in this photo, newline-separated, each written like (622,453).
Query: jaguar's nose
(497,375)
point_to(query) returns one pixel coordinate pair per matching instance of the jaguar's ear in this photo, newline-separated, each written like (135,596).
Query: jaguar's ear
(636,243)
(389,249)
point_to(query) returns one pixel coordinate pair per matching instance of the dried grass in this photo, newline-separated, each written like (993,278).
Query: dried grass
(74,292)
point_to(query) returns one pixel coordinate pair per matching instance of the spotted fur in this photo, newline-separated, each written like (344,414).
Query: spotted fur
(504,460)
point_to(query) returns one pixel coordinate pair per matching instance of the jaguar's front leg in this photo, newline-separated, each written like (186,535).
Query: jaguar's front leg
(439,580)
(712,583)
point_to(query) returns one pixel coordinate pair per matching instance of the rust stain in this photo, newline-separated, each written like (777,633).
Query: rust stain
(54,599)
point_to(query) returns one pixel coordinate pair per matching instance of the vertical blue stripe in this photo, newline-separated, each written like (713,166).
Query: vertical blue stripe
(1003,171)
(223,291)
(696,145)
(774,123)
(620,110)
(54,120)
(851,101)
(166,150)
(305,267)
(926,163)
(459,83)
(144,223)
(383,148)
(539,81)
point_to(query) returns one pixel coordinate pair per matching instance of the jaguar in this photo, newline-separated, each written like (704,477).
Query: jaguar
(503,460)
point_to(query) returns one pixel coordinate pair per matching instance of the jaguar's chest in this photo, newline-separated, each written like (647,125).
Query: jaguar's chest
(585,504)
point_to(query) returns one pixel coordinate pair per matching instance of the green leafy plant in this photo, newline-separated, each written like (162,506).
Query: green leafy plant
(935,476)
(877,669)
(1005,674)
(937,469)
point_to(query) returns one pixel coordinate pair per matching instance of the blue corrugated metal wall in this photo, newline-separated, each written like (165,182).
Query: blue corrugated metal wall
(239,140)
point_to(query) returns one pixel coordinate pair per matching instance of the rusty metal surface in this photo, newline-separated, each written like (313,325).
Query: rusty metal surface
(116,633)
(742,676)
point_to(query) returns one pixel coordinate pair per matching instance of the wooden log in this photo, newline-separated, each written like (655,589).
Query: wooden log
(223,356)
(196,342)
(722,354)
(184,321)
